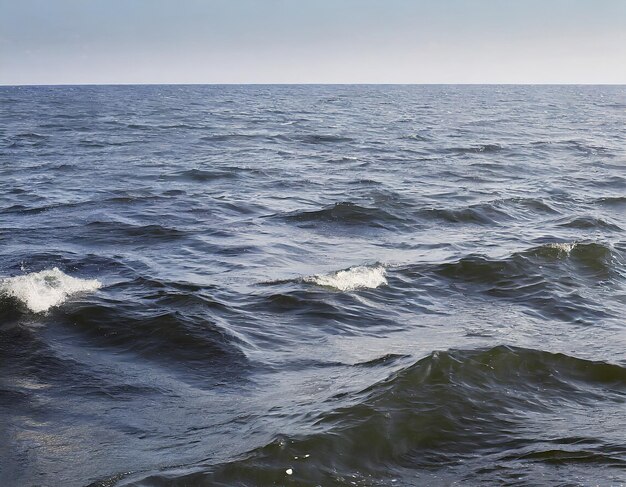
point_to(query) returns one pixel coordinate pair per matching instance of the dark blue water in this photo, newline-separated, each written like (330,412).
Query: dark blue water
(312,285)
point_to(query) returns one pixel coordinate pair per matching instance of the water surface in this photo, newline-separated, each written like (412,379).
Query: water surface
(312,285)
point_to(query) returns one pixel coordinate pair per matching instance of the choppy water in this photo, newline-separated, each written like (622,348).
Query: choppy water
(312,285)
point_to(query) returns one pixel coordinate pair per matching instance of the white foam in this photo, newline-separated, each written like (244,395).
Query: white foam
(361,277)
(40,291)
(562,247)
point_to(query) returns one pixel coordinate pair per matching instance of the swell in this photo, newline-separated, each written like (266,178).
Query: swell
(174,329)
(26,139)
(492,212)
(177,325)
(612,201)
(483,214)
(158,332)
(116,232)
(573,147)
(34,364)
(395,214)
(324,311)
(447,409)
(173,126)
(589,223)
(312,139)
(104,144)
(322,139)
(587,259)
(477,149)
(550,280)
(347,213)
(123,198)
(201,175)
(239,137)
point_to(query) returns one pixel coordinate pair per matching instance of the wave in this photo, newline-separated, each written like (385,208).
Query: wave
(31,136)
(491,212)
(500,408)
(573,145)
(589,222)
(40,291)
(191,341)
(322,139)
(112,232)
(347,213)
(126,197)
(416,137)
(302,138)
(547,279)
(100,144)
(178,325)
(201,175)
(612,201)
(26,139)
(182,126)
(534,205)
(352,279)
(483,214)
(562,247)
(478,149)
(594,255)
(591,255)
(232,137)
(339,159)
(337,302)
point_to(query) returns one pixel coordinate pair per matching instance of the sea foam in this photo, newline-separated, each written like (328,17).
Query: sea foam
(40,291)
(562,247)
(361,277)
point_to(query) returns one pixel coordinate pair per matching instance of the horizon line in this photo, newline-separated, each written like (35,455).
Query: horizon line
(13,85)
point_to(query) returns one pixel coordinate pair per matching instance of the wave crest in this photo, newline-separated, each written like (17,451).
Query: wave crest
(40,291)
(347,213)
(360,277)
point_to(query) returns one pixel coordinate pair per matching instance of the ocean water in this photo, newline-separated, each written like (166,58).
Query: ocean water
(312,285)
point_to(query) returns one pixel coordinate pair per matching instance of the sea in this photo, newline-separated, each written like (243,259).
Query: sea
(312,285)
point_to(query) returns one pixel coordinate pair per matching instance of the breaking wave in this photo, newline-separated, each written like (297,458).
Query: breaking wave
(40,291)
(360,277)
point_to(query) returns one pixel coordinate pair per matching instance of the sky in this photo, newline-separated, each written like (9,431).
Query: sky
(312,41)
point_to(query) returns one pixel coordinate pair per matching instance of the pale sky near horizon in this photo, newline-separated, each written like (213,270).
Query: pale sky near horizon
(316,41)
